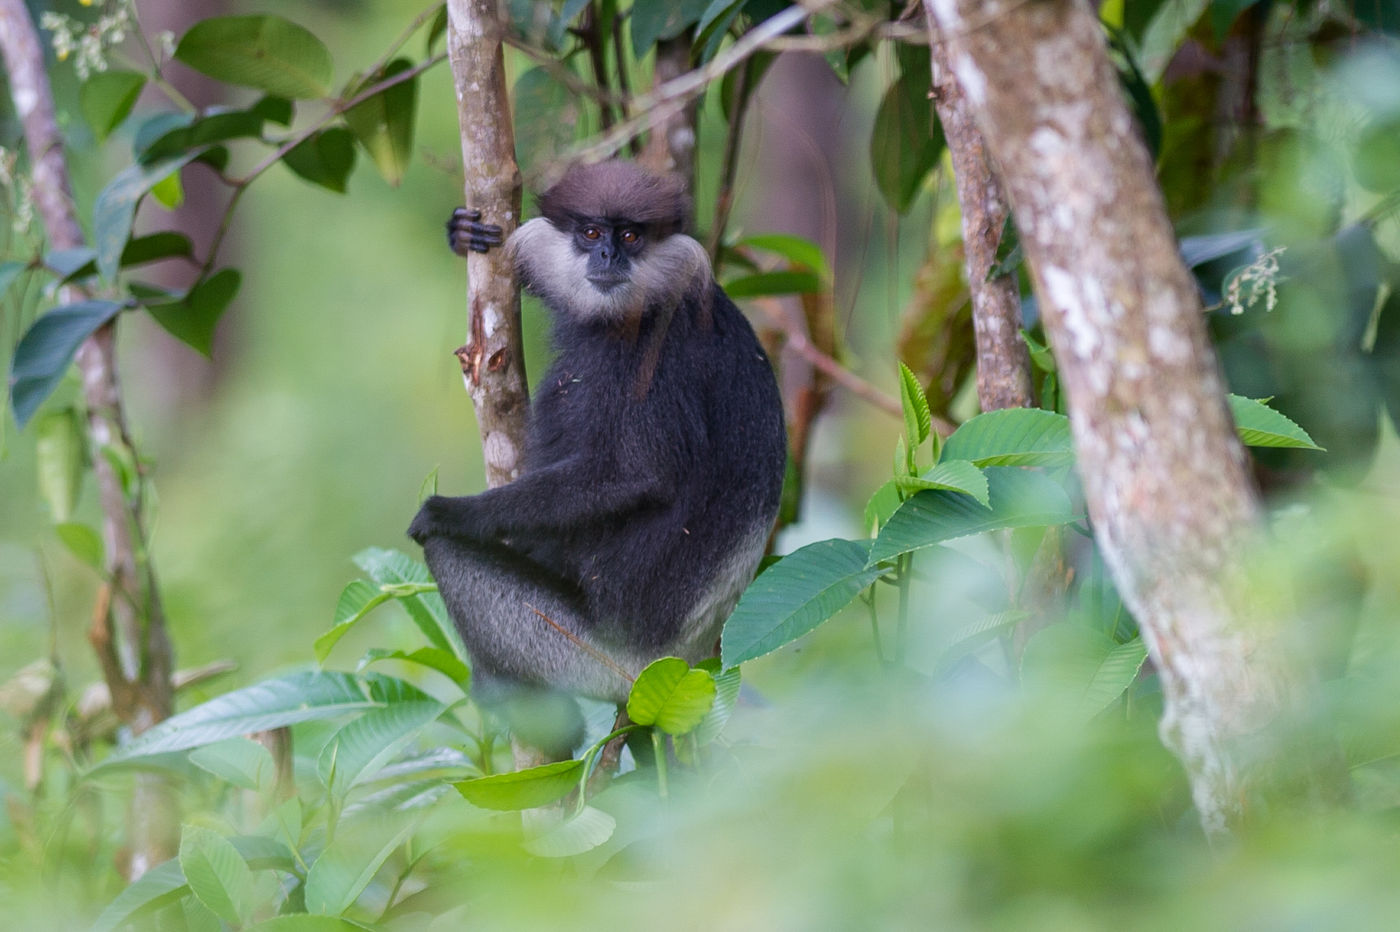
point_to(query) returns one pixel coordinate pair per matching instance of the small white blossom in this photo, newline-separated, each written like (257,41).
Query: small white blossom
(1257,280)
(90,42)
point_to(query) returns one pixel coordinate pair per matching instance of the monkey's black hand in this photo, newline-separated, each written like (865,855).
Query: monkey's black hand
(429,520)
(465,234)
(447,516)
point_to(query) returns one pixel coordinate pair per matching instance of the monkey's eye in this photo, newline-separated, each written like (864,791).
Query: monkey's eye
(631,237)
(591,232)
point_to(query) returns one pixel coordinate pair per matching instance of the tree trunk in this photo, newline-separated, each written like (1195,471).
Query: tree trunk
(1164,474)
(128,625)
(493,362)
(1003,361)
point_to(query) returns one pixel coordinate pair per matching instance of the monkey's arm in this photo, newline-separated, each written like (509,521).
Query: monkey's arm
(559,497)
(466,234)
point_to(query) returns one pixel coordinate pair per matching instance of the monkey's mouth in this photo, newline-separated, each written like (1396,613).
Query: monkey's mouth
(607,283)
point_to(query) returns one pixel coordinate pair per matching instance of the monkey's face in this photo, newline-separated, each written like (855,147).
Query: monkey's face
(606,270)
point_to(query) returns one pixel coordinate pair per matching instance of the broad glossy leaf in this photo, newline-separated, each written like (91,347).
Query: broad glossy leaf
(427,611)
(1261,426)
(115,208)
(652,22)
(240,761)
(267,52)
(192,320)
(106,98)
(952,476)
(671,696)
(216,873)
(324,158)
(384,123)
(524,789)
(906,141)
(727,685)
(298,697)
(1013,437)
(794,596)
(795,249)
(214,126)
(44,352)
(61,455)
(159,886)
(368,742)
(351,860)
(1019,498)
(773,283)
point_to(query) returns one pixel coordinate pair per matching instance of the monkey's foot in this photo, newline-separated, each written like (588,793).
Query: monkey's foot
(466,234)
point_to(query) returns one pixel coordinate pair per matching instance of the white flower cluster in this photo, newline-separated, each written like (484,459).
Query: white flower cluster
(1257,280)
(16,189)
(90,41)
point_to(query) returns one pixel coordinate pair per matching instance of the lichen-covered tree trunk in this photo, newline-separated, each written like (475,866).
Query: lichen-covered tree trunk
(1164,474)
(493,362)
(128,624)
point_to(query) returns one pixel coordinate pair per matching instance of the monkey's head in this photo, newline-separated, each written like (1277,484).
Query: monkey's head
(611,244)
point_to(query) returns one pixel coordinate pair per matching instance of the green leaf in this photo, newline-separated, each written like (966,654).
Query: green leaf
(61,455)
(214,126)
(306,922)
(906,141)
(287,700)
(156,246)
(882,504)
(216,873)
(950,475)
(1008,257)
(42,356)
(106,98)
(1261,426)
(350,861)
(713,26)
(426,610)
(1013,437)
(918,420)
(578,834)
(727,685)
(9,271)
(82,542)
(384,123)
(115,208)
(671,696)
(652,22)
(524,789)
(274,109)
(358,750)
(324,158)
(1083,664)
(159,886)
(240,761)
(1019,498)
(168,191)
(797,250)
(192,319)
(794,596)
(269,53)
(357,600)
(772,283)
(434,658)
(980,632)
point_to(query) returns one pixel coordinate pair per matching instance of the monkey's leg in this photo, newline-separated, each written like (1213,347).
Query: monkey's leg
(466,234)
(522,626)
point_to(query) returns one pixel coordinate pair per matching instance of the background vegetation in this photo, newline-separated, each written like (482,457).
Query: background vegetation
(959,768)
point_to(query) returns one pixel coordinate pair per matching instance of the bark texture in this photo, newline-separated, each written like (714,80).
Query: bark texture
(493,363)
(128,625)
(1164,474)
(1003,361)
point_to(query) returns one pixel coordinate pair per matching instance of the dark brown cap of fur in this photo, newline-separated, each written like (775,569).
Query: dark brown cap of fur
(616,191)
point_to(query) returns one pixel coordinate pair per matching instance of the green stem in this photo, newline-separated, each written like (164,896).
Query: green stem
(902,624)
(658,746)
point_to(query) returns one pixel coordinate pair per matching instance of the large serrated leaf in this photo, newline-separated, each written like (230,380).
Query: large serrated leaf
(671,696)
(727,685)
(350,861)
(384,123)
(1013,437)
(578,834)
(239,761)
(950,475)
(267,52)
(358,750)
(1019,498)
(524,789)
(794,596)
(918,420)
(426,610)
(1261,426)
(216,873)
(46,349)
(287,700)
(159,886)
(1083,665)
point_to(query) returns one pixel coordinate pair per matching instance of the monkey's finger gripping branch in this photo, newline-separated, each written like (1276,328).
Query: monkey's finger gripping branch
(466,234)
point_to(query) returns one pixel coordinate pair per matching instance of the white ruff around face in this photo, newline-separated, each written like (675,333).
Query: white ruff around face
(551,267)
